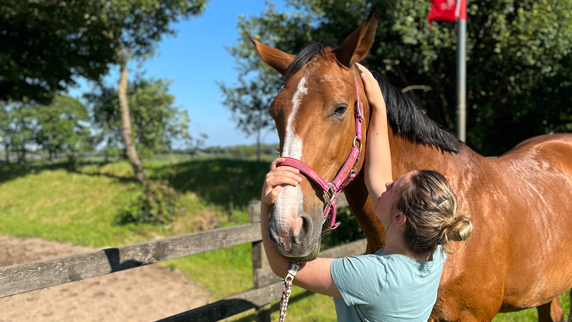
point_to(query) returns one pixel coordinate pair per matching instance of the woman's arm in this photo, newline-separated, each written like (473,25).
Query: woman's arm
(315,276)
(377,154)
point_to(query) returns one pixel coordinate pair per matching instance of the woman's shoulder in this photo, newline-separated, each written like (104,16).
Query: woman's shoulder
(399,264)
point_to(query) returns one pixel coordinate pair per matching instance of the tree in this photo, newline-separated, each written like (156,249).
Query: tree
(156,122)
(518,59)
(47,44)
(105,118)
(249,104)
(58,127)
(5,132)
(140,27)
(62,126)
(19,128)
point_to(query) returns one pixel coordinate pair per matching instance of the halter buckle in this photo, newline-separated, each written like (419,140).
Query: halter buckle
(359,109)
(354,143)
(329,195)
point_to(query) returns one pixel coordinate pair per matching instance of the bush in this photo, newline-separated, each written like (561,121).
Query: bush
(348,231)
(156,203)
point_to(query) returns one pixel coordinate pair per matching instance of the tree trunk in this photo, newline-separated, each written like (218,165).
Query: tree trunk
(258,136)
(7,153)
(258,145)
(22,155)
(106,154)
(126,123)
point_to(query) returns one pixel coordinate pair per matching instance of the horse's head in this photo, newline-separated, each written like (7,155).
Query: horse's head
(314,115)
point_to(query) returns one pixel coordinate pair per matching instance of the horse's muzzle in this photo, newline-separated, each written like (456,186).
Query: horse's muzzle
(294,233)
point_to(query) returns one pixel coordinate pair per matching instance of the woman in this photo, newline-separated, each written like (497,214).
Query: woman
(400,281)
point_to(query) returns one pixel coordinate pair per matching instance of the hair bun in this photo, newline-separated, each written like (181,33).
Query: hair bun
(460,229)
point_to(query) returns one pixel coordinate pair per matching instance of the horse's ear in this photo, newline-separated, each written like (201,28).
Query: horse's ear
(277,59)
(357,45)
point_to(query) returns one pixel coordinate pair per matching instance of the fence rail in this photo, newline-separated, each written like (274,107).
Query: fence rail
(257,297)
(37,275)
(28,277)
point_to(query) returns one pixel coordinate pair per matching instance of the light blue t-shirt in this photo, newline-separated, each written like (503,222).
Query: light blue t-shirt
(386,287)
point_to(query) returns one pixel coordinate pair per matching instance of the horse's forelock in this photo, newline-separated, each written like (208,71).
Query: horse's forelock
(303,58)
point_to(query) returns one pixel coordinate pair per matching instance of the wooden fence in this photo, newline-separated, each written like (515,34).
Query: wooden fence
(28,277)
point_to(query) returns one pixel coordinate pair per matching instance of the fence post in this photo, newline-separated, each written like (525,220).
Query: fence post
(259,263)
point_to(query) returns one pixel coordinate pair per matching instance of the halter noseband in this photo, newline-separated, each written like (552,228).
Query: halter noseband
(345,175)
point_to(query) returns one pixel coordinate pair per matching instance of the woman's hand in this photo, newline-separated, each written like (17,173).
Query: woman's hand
(372,90)
(277,177)
(314,276)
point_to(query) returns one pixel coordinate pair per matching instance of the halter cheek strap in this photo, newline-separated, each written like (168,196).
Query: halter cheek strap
(344,176)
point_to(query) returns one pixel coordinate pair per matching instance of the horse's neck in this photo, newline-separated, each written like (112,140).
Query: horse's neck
(406,156)
(463,169)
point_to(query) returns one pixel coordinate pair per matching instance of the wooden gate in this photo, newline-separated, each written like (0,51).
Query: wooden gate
(267,288)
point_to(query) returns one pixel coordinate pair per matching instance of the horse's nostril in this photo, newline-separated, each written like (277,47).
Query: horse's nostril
(306,227)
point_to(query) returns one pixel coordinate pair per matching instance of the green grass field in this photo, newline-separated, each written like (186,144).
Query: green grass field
(78,205)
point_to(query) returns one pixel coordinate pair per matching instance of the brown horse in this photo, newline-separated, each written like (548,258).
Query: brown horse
(519,253)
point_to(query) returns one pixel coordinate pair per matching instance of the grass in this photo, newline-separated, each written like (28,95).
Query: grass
(78,205)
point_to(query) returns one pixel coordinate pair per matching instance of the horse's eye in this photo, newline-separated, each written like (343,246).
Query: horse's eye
(339,110)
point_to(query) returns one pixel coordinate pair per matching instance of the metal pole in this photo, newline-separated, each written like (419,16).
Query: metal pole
(461,80)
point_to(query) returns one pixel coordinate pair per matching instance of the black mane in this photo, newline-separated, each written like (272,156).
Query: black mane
(407,119)
(403,115)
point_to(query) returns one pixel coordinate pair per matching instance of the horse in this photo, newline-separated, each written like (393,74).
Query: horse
(518,254)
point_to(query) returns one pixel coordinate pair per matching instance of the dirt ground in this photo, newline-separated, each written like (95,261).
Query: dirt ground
(146,293)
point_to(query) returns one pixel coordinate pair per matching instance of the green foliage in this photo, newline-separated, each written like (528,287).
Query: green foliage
(18,127)
(156,203)
(156,121)
(249,103)
(47,44)
(59,127)
(63,126)
(348,231)
(519,59)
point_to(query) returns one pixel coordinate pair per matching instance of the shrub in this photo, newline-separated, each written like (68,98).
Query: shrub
(156,203)
(348,231)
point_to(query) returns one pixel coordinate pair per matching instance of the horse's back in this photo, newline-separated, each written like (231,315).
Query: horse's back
(556,147)
(545,153)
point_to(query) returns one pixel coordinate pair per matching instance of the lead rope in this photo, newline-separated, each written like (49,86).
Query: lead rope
(294,267)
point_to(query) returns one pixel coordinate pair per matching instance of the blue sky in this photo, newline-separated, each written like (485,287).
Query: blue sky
(195,60)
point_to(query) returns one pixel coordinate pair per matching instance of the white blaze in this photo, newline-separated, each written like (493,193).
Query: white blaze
(292,144)
(290,199)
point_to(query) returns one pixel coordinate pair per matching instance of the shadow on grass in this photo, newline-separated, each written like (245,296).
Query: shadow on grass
(276,306)
(9,172)
(224,182)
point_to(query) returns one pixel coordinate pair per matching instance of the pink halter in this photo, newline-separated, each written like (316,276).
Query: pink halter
(345,175)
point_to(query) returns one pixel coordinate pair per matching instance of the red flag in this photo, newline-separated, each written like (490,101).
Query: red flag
(448,10)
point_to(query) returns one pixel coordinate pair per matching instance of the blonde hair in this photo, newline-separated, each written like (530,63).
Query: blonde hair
(430,206)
